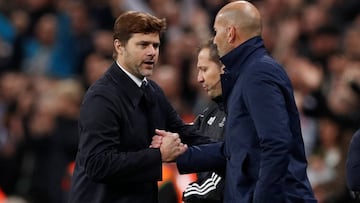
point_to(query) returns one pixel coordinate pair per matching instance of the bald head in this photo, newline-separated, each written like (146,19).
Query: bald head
(243,15)
(240,20)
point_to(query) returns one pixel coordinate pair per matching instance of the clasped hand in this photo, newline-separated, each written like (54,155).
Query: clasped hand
(169,143)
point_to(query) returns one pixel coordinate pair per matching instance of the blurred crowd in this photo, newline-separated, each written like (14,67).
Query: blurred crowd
(52,50)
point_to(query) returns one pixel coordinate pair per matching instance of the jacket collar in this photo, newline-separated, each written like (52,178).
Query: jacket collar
(237,56)
(219,101)
(131,76)
(126,84)
(234,62)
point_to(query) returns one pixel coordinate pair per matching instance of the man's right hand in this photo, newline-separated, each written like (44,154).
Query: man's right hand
(170,145)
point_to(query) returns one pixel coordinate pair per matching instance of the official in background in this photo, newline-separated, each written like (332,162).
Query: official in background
(209,186)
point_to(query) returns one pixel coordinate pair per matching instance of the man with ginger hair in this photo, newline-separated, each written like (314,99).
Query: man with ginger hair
(263,151)
(119,115)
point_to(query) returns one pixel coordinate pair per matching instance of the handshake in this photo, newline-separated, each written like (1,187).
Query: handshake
(169,143)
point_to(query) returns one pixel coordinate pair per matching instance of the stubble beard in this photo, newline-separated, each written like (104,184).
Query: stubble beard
(145,71)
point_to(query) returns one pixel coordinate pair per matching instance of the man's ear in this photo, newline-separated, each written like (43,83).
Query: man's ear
(222,69)
(231,34)
(119,47)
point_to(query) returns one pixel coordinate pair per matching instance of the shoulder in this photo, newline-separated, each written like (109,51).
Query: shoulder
(102,89)
(356,136)
(354,148)
(101,86)
(157,90)
(353,163)
(267,65)
(154,85)
(267,69)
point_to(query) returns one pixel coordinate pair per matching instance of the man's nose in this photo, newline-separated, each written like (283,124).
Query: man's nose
(200,78)
(151,50)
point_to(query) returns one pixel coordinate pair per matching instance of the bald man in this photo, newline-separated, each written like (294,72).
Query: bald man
(263,149)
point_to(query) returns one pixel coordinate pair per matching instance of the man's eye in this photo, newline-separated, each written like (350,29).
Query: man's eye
(202,69)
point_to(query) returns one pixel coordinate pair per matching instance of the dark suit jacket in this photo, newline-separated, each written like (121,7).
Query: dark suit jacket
(263,150)
(353,163)
(114,162)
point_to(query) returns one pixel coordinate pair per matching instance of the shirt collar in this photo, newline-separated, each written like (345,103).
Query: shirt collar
(133,77)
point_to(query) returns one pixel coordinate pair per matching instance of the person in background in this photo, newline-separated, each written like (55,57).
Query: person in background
(118,117)
(209,187)
(263,151)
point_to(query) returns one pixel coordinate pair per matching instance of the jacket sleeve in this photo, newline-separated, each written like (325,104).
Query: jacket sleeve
(99,152)
(266,99)
(188,133)
(206,157)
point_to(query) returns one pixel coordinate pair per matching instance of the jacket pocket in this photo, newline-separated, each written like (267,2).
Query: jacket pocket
(238,167)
